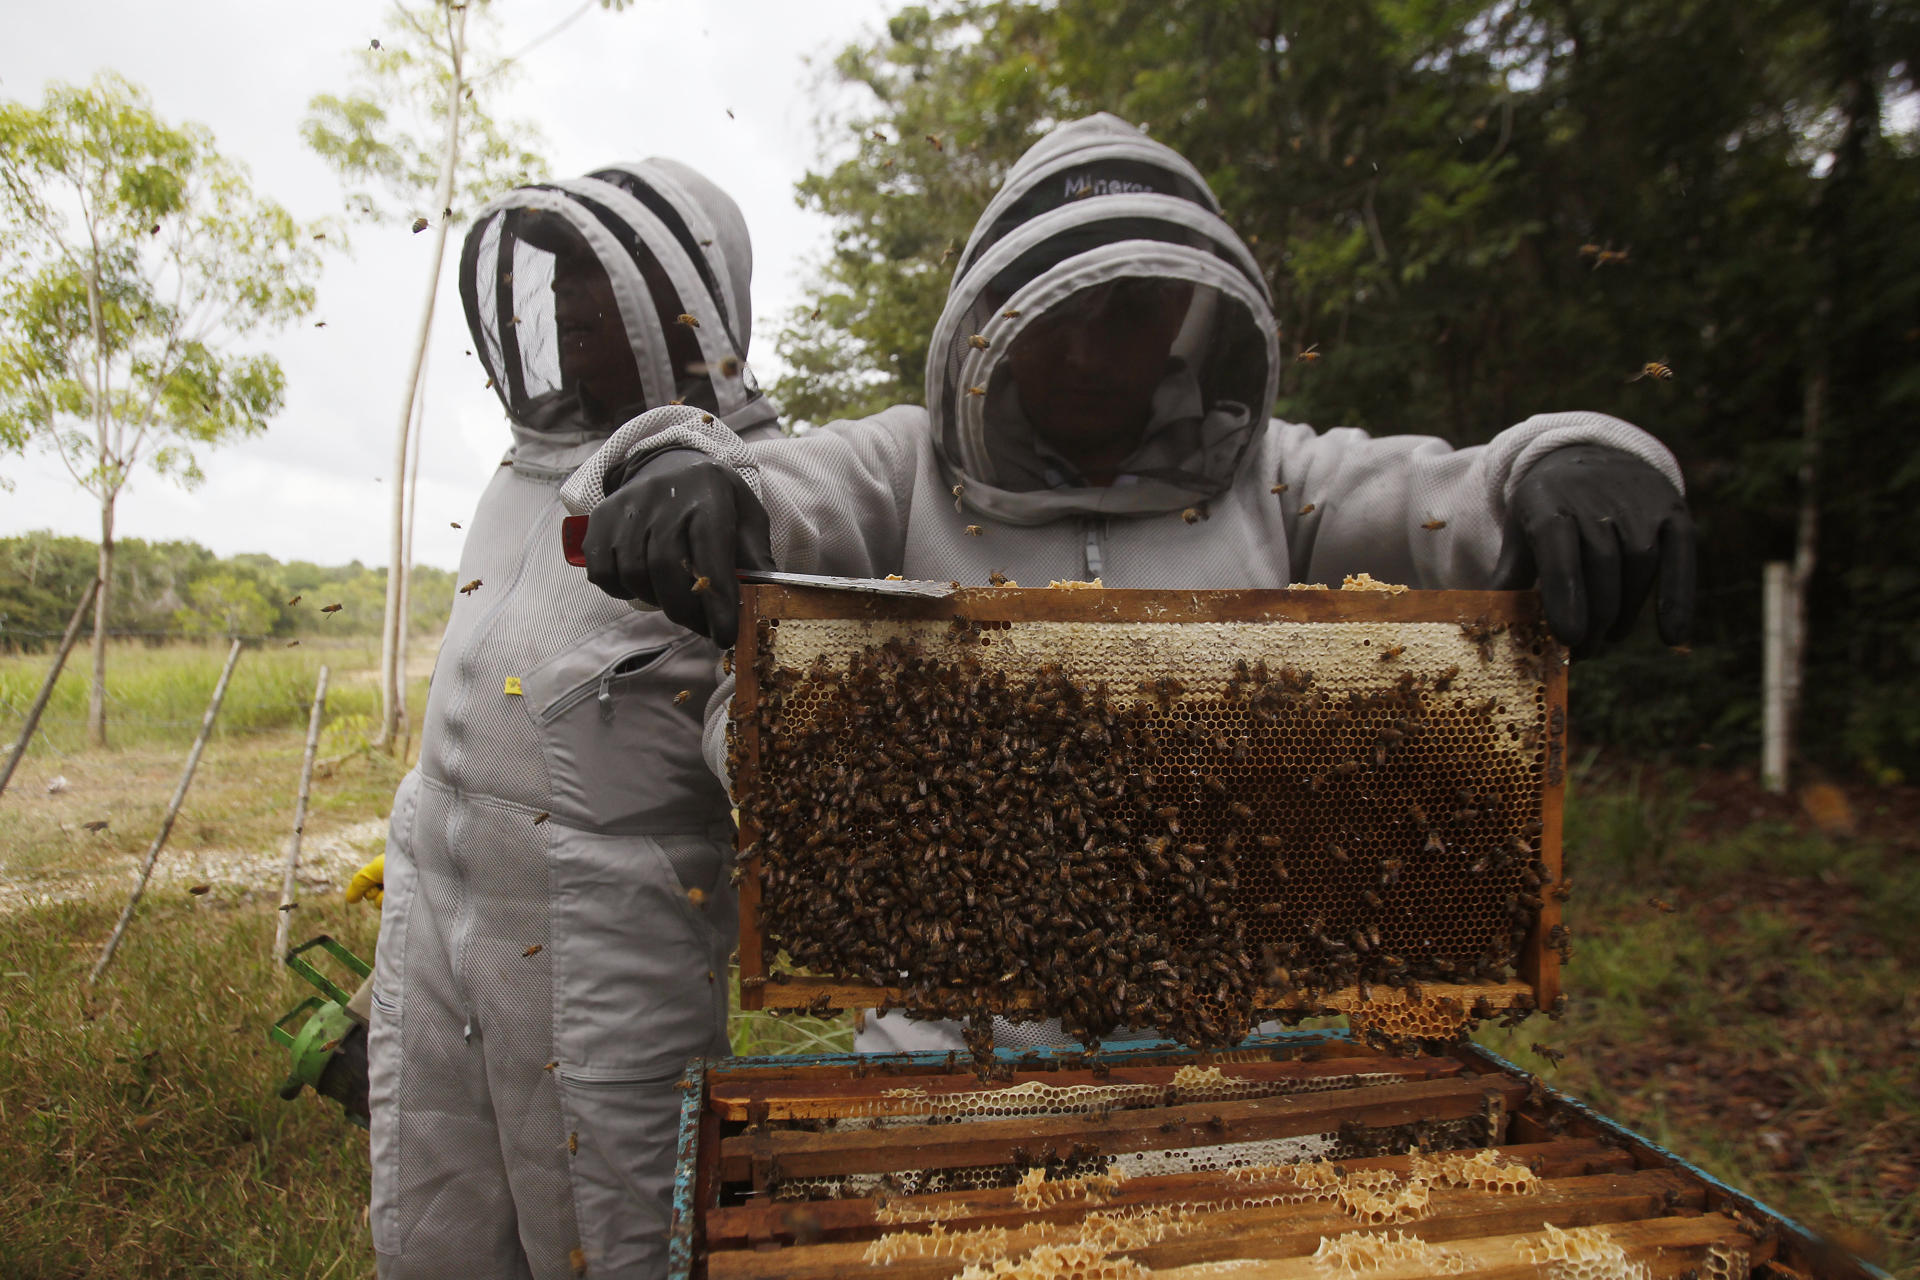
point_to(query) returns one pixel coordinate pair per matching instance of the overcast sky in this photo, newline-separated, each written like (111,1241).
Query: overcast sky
(655,80)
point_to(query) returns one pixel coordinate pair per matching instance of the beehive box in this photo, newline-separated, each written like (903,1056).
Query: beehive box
(1183,811)
(1303,1155)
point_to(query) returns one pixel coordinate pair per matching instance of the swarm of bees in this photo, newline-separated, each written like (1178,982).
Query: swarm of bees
(1140,857)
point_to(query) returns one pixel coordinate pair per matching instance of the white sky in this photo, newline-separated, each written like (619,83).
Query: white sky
(656,79)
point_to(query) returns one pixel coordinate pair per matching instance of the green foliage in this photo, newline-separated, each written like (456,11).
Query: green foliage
(137,255)
(166,589)
(1427,186)
(386,138)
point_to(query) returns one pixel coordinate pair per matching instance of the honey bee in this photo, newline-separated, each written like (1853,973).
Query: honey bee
(1654,369)
(96,826)
(727,366)
(1395,651)
(1309,354)
(698,897)
(1012,313)
(975,531)
(976,391)
(1282,487)
(470,587)
(1662,905)
(199,890)
(541,817)
(1432,525)
(573,1145)
(551,1065)
(1308,509)
(285,906)
(330,608)
(933,140)
(1555,1056)
(454,523)
(998,579)
(687,319)
(1191,515)
(682,696)
(419,225)
(977,341)
(533,950)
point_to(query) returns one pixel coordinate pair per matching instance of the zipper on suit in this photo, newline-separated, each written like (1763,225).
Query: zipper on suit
(1094,557)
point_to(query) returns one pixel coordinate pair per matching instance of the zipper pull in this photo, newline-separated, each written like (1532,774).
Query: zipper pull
(606,694)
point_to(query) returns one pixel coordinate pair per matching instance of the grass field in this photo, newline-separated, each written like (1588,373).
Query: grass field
(1768,1027)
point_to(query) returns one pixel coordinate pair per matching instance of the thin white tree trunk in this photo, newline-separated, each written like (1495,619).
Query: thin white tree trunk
(405,630)
(287,903)
(173,811)
(46,687)
(443,200)
(109,489)
(1776,618)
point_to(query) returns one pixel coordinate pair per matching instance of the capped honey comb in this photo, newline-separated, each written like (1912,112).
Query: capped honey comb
(1177,811)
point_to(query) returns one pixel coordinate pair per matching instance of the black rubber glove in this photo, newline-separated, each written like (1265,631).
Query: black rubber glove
(674,534)
(1596,526)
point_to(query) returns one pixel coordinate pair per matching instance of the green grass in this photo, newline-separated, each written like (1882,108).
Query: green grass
(1772,1019)
(158,695)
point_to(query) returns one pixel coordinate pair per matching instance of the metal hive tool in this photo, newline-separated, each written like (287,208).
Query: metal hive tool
(1178,810)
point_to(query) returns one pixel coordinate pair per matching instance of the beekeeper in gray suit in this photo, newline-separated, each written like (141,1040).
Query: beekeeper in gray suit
(1098,386)
(557,913)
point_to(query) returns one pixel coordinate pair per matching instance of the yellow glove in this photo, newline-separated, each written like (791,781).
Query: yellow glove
(368,881)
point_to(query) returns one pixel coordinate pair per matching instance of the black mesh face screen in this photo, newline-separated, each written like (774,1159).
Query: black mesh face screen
(1085,182)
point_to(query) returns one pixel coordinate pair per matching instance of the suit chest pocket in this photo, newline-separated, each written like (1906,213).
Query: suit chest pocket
(622,744)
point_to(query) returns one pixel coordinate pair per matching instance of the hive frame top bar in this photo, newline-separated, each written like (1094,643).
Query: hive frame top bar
(795,597)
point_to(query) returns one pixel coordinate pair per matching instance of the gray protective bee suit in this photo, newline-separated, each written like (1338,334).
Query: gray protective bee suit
(543,973)
(1093,203)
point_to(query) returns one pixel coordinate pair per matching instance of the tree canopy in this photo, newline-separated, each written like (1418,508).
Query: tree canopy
(1476,210)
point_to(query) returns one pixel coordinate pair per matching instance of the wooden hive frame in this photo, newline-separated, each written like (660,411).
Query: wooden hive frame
(1002,612)
(1493,1174)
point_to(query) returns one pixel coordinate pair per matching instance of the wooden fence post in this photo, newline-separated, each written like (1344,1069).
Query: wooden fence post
(287,904)
(46,690)
(173,811)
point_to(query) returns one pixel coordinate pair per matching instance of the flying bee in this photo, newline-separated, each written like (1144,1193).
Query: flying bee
(682,696)
(199,890)
(533,950)
(292,602)
(933,140)
(691,321)
(454,523)
(419,225)
(974,531)
(1555,1056)
(977,341)
(698,897)
(1654,369)
(96,826)
(1309,354)
(335,607)
(976,391)
(1308,509)
(1191,515)
(470,587)
(1282,487)
(702,584)
(727,366)
(1434,525)
(1658,904)
(541,817)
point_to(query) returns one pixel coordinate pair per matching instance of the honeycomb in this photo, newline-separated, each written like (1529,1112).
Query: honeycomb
(1162,825)
(1359,1252)
(1584,1253)
(1060,1262)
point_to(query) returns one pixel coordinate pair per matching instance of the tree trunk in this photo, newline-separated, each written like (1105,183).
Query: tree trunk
(404,637)
(97,688)
(391,684)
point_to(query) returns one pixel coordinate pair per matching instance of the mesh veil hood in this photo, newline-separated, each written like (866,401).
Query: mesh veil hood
(1095,202)
(626,216)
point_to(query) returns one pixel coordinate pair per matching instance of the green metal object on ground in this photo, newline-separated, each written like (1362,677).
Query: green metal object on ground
(326,1042)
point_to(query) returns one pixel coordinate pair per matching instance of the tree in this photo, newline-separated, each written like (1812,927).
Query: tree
(225,603)
(418,133)
(136,259)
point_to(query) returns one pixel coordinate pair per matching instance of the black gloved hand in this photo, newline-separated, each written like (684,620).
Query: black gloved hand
(674,534)
(1596,526)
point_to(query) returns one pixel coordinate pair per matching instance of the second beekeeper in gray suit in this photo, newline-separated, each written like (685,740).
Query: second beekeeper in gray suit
(1098,392)
(557,915)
